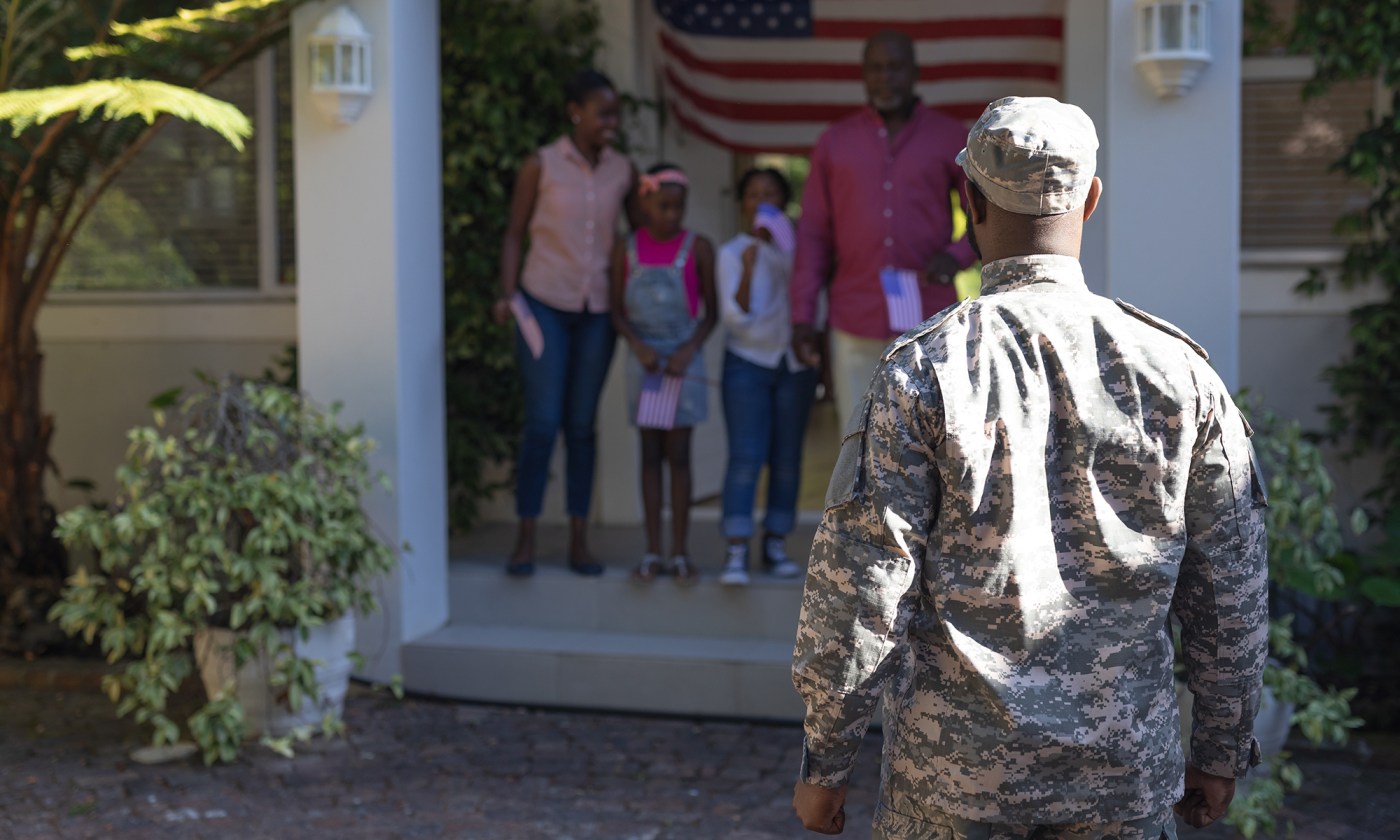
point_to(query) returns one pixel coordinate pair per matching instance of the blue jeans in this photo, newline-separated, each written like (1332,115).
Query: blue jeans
(562,388)
(765,414)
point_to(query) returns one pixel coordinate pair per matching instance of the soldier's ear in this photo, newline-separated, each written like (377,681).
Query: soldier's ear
(1090,203)
(976,203)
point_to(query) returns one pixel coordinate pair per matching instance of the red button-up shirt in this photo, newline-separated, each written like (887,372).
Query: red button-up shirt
(870,203)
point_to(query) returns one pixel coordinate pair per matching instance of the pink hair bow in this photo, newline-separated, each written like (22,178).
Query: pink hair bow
(653,182)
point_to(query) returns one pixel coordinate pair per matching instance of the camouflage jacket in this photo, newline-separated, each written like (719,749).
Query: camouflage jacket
(1035,480)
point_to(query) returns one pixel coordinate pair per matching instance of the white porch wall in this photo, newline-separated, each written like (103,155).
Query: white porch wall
(369,275)
(1166,235)
(105,359)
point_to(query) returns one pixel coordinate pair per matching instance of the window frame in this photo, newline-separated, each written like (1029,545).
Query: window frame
(269,257)
(1293,68)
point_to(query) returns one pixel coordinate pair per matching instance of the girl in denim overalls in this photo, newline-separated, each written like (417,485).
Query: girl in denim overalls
(663,304)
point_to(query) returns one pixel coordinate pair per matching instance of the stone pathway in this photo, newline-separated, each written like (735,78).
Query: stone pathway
(421,768)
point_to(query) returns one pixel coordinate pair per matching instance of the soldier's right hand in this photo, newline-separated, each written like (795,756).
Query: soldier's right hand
(822,810)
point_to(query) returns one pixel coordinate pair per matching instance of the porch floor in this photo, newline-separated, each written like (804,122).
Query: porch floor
(560,640)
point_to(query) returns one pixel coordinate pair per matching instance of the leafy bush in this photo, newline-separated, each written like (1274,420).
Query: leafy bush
(1306,558)
(504,63)
(241,509)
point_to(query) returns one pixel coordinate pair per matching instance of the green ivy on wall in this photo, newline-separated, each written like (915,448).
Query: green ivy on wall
(1360,39)
(504,64)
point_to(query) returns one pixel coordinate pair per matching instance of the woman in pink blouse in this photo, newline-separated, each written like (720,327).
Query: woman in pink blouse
(568,196)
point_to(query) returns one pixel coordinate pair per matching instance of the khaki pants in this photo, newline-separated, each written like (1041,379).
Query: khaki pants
(853,362)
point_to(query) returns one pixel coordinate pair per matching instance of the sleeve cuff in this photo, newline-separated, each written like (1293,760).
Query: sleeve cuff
(1231,761)
(828,771)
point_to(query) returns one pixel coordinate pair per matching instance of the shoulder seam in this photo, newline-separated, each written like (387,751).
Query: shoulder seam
(1163,325)
(923,330)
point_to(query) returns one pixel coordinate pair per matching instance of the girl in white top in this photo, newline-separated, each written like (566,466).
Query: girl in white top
(767,392)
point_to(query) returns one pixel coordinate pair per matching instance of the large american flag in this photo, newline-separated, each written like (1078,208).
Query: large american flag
(770,75)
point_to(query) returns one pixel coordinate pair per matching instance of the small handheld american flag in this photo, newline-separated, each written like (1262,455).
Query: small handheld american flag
(529,327)
(776,222)
(661,396)
(902,298)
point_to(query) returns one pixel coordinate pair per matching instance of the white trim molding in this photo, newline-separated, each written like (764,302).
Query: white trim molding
(1281,68)
(230,321)
(1269,290)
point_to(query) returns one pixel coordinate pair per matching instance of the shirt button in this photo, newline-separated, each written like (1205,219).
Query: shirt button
(888,212)
(882,132)
(889,242)
(889,185)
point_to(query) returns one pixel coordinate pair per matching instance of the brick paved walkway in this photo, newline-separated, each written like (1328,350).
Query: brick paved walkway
(421,768)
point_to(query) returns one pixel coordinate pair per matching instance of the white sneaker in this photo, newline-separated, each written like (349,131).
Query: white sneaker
(736,566)
(776,559)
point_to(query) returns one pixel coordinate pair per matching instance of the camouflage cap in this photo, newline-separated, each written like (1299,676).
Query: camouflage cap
(1032,155)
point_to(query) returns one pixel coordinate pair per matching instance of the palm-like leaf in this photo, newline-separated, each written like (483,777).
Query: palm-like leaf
(122,98)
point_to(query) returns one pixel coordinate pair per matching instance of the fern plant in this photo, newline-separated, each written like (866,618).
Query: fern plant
(85,85)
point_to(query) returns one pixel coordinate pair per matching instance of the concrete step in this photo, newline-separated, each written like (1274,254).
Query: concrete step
(598,669)
(556,599)
(557,639)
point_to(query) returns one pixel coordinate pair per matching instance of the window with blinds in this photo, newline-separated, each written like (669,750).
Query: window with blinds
(1290,198)
(184,213)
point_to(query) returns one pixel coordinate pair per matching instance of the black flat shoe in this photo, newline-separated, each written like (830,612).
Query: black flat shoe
(586,569)
(520,570)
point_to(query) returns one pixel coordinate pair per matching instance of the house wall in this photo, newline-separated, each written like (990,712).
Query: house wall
(1287,341)
(105,357)
(104,360)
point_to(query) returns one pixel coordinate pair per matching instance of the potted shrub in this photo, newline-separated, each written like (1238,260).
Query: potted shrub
(237,542)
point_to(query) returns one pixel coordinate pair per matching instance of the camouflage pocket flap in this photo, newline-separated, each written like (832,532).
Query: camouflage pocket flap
(892,825)
(846,476)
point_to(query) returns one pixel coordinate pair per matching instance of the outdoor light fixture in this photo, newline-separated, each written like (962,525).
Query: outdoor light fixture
(340,69)
(1173,44)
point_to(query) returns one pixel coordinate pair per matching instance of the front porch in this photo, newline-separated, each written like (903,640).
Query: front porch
(560,640)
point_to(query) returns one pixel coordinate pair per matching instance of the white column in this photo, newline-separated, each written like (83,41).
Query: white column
(369,284)
(1166,235)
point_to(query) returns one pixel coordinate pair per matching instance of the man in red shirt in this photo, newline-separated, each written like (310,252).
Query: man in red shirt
(878,197)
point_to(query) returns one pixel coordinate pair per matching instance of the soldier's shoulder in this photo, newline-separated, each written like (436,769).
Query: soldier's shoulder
(929,329)
(1164,325)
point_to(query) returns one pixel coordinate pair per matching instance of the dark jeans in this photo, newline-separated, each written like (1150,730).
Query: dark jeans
(765,414)
(562,388)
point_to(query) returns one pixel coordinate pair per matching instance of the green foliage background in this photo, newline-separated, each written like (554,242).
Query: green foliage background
(504,64)
(1360,39)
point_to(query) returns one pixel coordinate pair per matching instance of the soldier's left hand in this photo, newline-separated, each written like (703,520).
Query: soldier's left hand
(822,810)
(1207,798)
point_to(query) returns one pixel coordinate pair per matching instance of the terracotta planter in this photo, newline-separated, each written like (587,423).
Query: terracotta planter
(329,644)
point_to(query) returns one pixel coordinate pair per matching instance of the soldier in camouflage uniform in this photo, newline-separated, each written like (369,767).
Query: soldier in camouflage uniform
(1035,480)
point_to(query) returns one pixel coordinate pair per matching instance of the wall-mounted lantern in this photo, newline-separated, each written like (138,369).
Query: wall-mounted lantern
(341,82)
(1173,43)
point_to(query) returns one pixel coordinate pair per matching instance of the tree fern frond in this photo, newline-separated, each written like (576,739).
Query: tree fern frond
(121,98)
(184,22)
